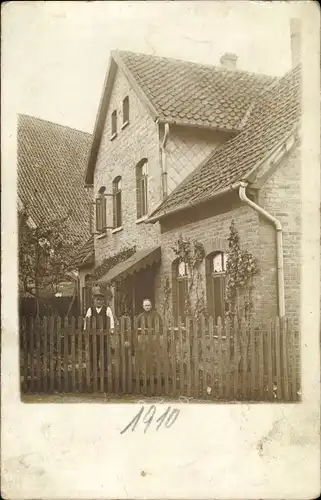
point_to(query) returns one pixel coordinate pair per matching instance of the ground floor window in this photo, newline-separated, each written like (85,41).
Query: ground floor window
(179,289)
(216,284)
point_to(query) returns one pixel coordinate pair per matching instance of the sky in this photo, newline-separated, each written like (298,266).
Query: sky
(56,54)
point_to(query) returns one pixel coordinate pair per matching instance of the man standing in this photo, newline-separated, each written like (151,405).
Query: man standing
(101,312)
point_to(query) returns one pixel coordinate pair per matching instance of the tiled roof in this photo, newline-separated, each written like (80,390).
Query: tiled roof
(52,160)
(86,255)
(273,116)
(195,94)
(182,93)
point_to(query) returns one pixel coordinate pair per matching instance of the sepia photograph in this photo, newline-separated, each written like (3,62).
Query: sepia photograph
(160,153)
(159,255)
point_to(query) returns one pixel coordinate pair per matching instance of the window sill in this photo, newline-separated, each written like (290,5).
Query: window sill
(113,136)
(141,219)
(117,229)
(102,236)
(124,125)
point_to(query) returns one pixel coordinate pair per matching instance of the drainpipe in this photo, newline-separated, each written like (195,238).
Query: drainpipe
(164,161)
(279,245)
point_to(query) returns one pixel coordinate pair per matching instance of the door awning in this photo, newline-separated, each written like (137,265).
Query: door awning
(138,261)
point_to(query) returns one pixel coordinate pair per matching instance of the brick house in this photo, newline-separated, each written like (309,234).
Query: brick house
(161,124)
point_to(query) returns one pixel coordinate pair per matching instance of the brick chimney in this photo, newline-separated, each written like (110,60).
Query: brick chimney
(228,60)
(295,29)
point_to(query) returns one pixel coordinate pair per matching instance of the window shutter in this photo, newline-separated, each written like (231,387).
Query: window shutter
(114,210)
(103,205)
(99,225)
(138,196)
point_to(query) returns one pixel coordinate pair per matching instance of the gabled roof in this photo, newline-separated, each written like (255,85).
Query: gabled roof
(274,115)
(52,161)
(181,92)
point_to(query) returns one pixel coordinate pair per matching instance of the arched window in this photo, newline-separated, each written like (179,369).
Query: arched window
(142,187)
(179,288)
(215,284)
(117,218)
(101,221)
(125,111)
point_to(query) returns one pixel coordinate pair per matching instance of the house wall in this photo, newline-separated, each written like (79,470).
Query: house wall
(213,232)
(281,197)
(186,148)
(119,157)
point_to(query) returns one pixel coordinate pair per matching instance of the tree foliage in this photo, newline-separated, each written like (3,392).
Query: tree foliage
(45,254)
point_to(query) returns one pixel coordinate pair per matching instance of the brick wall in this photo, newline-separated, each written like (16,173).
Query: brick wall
(280,196)
(208,231)
(119,157)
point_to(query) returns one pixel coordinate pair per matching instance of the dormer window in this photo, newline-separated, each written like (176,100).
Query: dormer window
(113,124)
(125,112)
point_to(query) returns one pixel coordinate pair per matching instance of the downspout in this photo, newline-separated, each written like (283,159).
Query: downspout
(164,160)
(279,245)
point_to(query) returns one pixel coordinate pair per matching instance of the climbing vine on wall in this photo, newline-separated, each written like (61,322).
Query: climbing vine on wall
(193,254)
(240,271)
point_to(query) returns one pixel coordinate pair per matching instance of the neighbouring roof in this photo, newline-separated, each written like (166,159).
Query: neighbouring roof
(274,115)
(52,160)
(86,255)
(183,93)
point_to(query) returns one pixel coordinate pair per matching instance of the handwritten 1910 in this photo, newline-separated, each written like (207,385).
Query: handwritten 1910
(168,418)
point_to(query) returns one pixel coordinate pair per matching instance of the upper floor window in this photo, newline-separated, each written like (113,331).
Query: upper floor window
(117,215)
(142,187)
(114,123)
(101,220)
(126,110)
(179,288)
(216,284)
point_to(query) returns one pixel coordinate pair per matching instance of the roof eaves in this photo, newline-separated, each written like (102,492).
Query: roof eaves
(152,219)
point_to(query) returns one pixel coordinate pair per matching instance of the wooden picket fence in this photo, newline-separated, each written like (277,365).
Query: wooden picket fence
(199,360)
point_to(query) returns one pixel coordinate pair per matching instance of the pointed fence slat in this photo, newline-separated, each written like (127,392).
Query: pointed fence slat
(195,359)
(261,365)
(159,339)
(173,359)
(270,361)
(45,353)
(24,354)
(253,363)
(81,343)
(279,381)
(188,359)
(31,353)
(66,353)
(73,354)
(285,357)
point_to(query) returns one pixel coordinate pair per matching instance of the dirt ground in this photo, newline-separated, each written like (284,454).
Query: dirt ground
(104,398)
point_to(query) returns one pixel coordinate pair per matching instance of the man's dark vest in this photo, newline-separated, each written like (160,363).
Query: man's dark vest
(101,314)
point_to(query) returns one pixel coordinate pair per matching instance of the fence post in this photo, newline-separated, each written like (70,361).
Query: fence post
(123,355)
(181,357)
(31,353)
(220,358)
(196,357)
(59,354)
(87,350)
(52,345)
(228,360)
(159,353)
(261,364)
(128,337)
(236,358)
(173,358)
(253,363)
(211,330)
